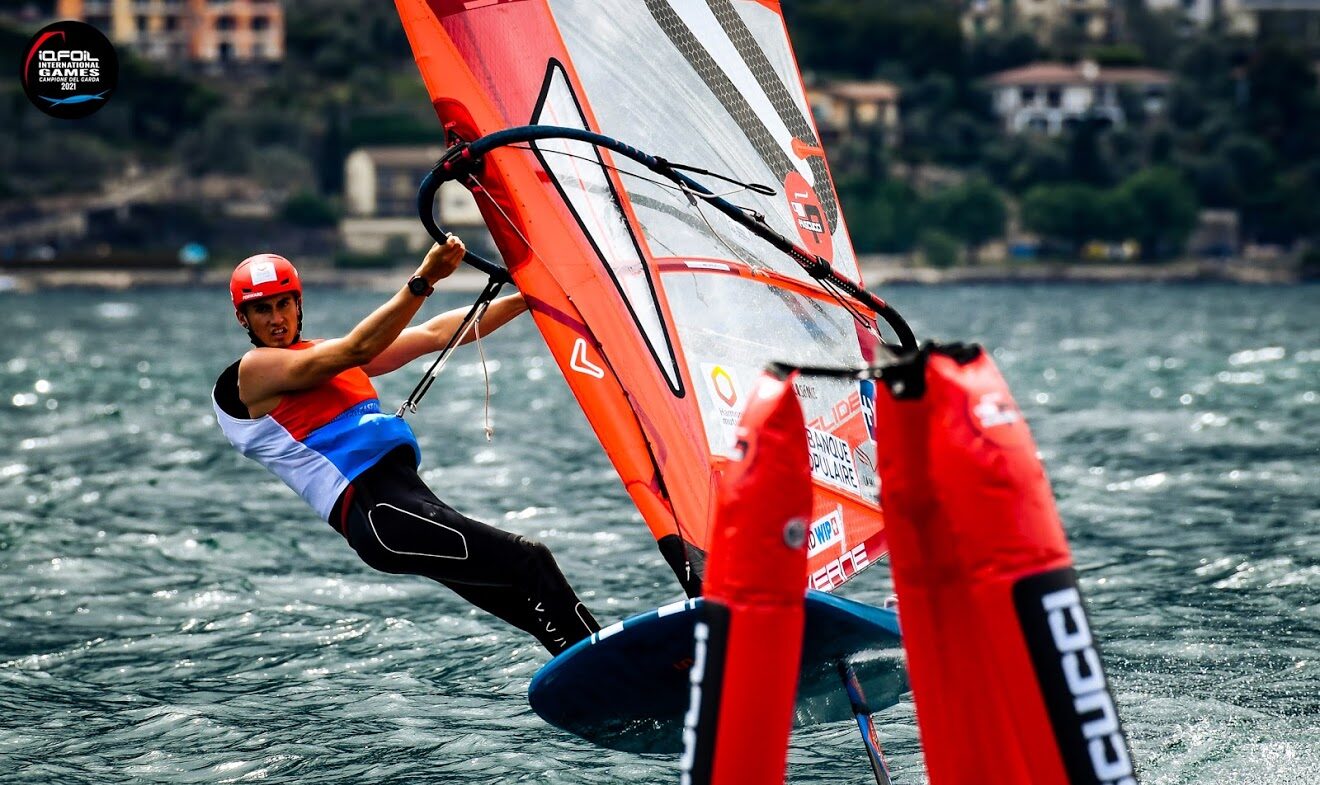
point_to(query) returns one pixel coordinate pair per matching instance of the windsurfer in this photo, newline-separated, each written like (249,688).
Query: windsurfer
(307,411)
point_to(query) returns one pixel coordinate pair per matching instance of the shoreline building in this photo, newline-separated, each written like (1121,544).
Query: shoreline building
(1049,97)
(857,121)
(380,203)
(211,34)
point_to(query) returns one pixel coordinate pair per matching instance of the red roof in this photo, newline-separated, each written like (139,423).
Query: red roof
(1081,73)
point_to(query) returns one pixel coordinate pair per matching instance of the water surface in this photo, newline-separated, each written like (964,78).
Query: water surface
(171,613)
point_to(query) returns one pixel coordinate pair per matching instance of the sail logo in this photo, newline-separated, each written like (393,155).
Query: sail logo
(723,385)
(808,216)
(580,363)
(832,461)
(841,412)
(833,574)
(1073,684)
(868,406)
(804,390)
(725,409)
(994,410)
(825,532)
(864,457)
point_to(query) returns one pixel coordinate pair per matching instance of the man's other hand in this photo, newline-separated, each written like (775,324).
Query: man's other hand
(442,260)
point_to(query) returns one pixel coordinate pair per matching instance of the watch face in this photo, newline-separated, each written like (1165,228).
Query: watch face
(417,285)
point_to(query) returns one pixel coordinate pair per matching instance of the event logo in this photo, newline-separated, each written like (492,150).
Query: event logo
(833,574)
(70,70)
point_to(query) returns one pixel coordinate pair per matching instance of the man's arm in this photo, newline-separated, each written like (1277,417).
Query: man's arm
(433,335)
(265,374)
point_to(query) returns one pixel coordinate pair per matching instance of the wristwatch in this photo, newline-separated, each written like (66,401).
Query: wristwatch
(420,286)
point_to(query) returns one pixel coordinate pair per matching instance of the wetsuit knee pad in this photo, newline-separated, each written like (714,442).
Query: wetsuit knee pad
(404,533)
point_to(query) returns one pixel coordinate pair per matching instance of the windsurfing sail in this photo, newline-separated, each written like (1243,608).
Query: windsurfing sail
(659,309)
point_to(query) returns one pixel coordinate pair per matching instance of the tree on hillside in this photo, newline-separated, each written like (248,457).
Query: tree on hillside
(1087,162)
(1164,211)
(1154,32)
(1021,161)
(993,52)
(883,217)
(848,37)
(1070,213)
(1299,205)
(1283,106)
(333,39)
(1116,216)
(973,212)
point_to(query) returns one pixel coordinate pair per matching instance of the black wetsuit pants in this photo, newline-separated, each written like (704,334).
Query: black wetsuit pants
(397,525)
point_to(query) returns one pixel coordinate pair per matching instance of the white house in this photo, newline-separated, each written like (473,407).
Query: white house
(380,200)
(1049,97)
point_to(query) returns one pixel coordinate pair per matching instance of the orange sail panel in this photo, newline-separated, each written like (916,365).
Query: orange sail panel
(659,311)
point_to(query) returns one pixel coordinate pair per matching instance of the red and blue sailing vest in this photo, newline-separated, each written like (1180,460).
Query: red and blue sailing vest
(318,440)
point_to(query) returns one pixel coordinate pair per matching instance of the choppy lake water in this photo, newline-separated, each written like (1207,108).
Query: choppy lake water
(171,613)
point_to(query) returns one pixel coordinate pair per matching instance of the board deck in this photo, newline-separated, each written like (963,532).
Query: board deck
(626,687)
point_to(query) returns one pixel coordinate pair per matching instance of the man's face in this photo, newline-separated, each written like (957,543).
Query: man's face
(273,320)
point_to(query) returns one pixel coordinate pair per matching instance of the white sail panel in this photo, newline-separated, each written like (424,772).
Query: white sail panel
(580,174)
(731,328)
(715,112)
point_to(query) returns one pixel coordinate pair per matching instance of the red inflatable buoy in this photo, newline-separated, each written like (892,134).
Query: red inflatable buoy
(1005,672)
(749,638)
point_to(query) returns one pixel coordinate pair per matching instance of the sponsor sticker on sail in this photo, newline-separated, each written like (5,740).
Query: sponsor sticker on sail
(825,532)
(728,401)
(832,461)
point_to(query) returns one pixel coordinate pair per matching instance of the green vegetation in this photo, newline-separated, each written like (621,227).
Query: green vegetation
(1156,208)
(973,213)
(938,248)
(309,210)
(1240,132)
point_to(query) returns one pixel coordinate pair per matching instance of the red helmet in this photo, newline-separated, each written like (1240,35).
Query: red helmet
(263,275)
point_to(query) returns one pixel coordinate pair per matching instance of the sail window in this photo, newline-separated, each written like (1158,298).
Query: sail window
(580,174)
